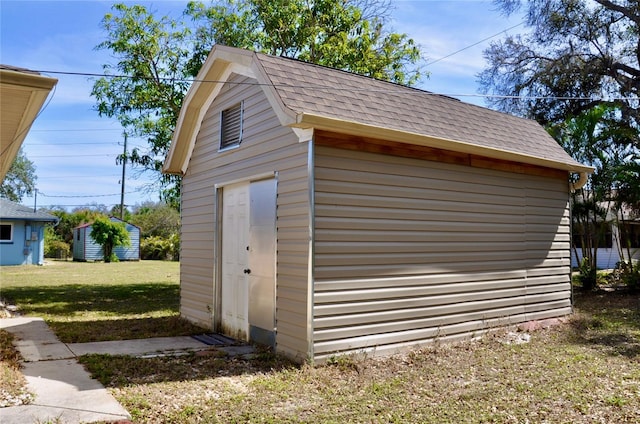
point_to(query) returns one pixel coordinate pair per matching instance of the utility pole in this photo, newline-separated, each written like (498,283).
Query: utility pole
(124,164)
(35,200)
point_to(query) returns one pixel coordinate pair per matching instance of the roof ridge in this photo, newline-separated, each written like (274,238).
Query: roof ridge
(381,81)
(347,72)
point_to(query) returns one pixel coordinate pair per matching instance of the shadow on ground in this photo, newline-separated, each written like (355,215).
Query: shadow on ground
(72,299)
(611,324)
(123,329)
(122,371)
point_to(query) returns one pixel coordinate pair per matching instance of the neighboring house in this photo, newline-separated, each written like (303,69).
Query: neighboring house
(327,213)
(22,234)
(612,246)
(22,94)
(85,249)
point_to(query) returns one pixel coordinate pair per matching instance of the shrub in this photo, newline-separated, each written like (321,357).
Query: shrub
(626,274)
(109,235)
(588,275)
(160,248)
(56,249)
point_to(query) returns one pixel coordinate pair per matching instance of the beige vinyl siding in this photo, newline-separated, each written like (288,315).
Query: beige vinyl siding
(266,148)
(408,251)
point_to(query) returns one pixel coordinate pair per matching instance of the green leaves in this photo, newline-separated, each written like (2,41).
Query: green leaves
(109,235)
(576,55)
(145,88)
(20,179)
(334,33)
(157,57)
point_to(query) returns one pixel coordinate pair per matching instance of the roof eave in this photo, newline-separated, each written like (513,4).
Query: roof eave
(305,120)
(24,218)
(38,87)
(27,78)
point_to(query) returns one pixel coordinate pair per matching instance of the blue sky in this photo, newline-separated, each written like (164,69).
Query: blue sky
(74,149)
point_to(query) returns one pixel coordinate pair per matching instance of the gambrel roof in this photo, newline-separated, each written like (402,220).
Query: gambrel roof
(306,96)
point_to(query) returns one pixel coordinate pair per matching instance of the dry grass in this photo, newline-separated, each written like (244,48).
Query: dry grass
(12,383)
(584,371)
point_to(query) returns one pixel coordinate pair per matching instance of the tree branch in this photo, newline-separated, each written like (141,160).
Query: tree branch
(626,11)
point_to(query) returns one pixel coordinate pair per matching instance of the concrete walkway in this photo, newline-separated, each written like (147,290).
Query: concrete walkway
(64,392)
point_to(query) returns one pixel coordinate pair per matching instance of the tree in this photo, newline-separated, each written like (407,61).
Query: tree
(156,220)
(578,72)
(109,235)
(344,34)
(595,137)
(20,179)
(577,55)
(152,79)
(68,221)
(157,57)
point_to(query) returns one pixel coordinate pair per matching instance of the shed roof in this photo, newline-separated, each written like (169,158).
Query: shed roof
(306,95)
(111,218)
(15,211)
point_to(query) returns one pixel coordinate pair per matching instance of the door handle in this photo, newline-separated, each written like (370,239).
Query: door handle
(247,271)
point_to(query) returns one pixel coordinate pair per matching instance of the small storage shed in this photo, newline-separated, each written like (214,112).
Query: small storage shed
(325,212)
(85,249)
(22,234)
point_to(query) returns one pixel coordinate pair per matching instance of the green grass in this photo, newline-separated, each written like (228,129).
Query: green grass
(95,301)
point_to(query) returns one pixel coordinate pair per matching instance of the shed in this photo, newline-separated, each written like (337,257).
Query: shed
(85,249)
(22,234)
(326,213)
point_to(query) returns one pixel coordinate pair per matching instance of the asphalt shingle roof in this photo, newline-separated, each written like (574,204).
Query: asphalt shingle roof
(12,210)
(327,92)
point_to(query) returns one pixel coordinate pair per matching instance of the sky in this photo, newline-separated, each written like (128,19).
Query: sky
(74,150)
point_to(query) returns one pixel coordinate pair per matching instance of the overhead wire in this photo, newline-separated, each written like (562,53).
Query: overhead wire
(475,44)
(342,88)
(78,196)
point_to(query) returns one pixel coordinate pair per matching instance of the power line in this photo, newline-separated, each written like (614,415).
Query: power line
(73,143)
(475,44)
(79,196)
(341,88)
(78,129)
(81,176)
(73,155)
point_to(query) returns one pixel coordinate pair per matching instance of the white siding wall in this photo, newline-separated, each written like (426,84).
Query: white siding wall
(266,147)
(409,251)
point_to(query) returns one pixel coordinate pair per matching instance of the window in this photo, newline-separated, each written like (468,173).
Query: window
(231,127)
(6,233)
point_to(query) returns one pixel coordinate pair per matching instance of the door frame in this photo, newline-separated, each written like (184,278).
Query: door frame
(217,245)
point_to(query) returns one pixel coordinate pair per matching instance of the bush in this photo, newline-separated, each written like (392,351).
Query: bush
(159,248)
(56,249)
(588,277)
(626,274)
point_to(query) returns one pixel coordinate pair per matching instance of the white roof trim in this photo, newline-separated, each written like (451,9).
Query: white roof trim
(220,65)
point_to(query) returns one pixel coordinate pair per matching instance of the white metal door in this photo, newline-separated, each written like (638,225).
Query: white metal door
(262,261)
(235,242)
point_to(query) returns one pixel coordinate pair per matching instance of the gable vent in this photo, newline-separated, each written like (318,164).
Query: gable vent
(231,127)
